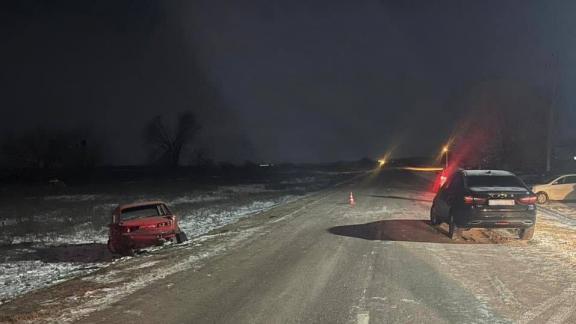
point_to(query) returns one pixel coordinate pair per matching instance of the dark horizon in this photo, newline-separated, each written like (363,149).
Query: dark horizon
(283,81)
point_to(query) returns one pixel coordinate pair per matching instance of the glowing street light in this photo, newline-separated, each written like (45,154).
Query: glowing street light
(445,151)
(381,162)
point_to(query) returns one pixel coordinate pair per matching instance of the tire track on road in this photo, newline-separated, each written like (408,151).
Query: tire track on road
(536,312)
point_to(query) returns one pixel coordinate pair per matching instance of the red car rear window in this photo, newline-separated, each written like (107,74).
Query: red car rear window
(140,212)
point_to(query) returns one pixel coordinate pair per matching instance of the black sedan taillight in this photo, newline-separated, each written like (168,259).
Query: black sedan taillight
(472,200)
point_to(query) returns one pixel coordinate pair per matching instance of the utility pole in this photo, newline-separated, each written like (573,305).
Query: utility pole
(552,116)
(555,69)
(550,135)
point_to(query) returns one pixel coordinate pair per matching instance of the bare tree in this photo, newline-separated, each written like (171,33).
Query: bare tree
(167,143)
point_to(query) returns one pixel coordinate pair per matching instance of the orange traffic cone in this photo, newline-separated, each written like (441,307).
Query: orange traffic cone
(351,199)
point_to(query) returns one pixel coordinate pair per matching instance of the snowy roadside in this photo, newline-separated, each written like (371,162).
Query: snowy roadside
(76,298)
(563,213)
(556,230)
(37,260)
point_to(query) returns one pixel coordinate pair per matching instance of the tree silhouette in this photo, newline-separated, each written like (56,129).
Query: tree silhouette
(167,144)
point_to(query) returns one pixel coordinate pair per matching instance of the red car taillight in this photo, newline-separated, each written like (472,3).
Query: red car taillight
(469,200)
(529,200)
(129,229)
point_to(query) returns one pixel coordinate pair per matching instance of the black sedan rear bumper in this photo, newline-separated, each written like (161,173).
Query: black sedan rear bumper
(476,218)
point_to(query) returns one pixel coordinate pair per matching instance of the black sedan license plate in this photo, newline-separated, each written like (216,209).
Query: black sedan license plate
(501,202)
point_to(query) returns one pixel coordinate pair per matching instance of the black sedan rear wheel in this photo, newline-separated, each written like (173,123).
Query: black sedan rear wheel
(453,230)
(434,220)
(526,233)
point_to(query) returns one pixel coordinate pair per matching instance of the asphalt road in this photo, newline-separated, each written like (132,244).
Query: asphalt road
(320,260)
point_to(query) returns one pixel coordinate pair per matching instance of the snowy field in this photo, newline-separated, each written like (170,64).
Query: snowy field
(49,238)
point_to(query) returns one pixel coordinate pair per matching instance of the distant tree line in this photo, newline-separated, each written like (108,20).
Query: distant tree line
(49,148)
(57,147)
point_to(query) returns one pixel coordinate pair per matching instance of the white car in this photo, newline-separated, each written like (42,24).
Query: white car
(560,188)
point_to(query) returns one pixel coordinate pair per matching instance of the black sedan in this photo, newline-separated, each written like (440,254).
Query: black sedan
(485,199)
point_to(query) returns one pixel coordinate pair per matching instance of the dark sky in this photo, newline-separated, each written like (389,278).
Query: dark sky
(279,80)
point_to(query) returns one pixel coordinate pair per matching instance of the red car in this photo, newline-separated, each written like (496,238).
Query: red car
(140,225)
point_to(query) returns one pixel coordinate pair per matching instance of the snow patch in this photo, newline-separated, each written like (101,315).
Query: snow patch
(70,198)
(249,188)
(203,221)
(191,199)
(304,180)
(20,277)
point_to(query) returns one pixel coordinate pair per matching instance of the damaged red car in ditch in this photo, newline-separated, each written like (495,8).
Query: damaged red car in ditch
(140,225)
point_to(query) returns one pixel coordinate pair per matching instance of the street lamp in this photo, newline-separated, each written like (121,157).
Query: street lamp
(445,151)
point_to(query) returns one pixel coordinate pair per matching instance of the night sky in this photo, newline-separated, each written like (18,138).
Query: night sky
(301,81)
